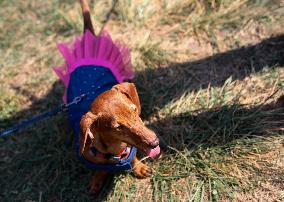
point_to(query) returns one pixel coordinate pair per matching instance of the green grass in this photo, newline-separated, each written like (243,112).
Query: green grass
(214,104)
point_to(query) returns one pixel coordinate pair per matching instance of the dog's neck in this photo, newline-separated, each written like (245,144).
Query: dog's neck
(106,146)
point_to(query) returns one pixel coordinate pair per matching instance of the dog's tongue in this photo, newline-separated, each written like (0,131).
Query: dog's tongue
(153,152)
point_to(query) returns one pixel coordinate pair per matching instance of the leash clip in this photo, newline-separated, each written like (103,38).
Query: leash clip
(76,100)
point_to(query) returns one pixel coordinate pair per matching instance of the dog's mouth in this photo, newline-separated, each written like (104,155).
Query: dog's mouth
(153,153)
(152,149)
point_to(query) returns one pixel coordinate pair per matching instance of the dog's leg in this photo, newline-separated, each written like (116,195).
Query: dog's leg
(140,169)
(98,181)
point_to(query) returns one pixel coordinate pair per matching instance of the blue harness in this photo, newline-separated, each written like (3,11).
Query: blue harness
(92,81)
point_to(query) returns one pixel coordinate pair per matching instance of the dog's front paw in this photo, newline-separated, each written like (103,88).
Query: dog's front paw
(97,182)
(141,170)
(95,187)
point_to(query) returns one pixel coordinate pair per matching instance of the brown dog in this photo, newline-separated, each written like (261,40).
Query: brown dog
(112,124)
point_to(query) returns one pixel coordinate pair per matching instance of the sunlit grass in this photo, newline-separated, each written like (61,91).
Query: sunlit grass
(210,102)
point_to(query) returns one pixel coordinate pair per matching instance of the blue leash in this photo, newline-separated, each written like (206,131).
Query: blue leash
(61,108)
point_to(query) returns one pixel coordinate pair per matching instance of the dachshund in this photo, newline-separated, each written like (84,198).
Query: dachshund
(106,123)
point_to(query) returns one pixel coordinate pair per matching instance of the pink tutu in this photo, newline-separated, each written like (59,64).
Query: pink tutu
(95,50)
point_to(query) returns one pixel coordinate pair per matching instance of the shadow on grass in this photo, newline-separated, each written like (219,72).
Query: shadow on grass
(219,126)
(157,87)
(40,162)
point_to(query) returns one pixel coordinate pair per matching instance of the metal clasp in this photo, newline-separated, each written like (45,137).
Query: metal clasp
(76,100)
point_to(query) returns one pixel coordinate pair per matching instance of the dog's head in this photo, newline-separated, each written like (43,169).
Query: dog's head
(114,116)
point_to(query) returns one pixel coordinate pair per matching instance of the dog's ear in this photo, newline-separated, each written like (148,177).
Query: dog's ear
(85,125)
(130,91)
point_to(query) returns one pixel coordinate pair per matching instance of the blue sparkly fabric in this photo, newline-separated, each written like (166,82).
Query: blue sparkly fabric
(91,80)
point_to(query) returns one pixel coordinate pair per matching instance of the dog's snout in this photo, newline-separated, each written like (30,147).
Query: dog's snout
(155,143)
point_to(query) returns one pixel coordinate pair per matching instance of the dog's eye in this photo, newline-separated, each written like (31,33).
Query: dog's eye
(119,127)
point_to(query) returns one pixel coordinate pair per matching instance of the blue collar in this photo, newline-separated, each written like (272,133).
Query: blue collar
(117,158)
(122,164)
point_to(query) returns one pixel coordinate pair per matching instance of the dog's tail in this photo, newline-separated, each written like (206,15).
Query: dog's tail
(88,25)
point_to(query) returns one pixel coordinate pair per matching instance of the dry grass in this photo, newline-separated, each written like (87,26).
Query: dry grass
(209,74)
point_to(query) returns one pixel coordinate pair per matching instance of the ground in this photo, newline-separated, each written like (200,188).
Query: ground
(210,77)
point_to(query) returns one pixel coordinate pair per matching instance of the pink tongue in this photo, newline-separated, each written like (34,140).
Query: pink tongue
(153,152)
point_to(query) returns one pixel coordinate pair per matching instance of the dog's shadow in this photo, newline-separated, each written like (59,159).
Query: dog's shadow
(43,156)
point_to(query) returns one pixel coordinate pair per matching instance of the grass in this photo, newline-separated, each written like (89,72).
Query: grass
(210,78)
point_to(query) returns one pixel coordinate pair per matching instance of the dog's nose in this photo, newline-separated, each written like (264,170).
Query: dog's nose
(155,143)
